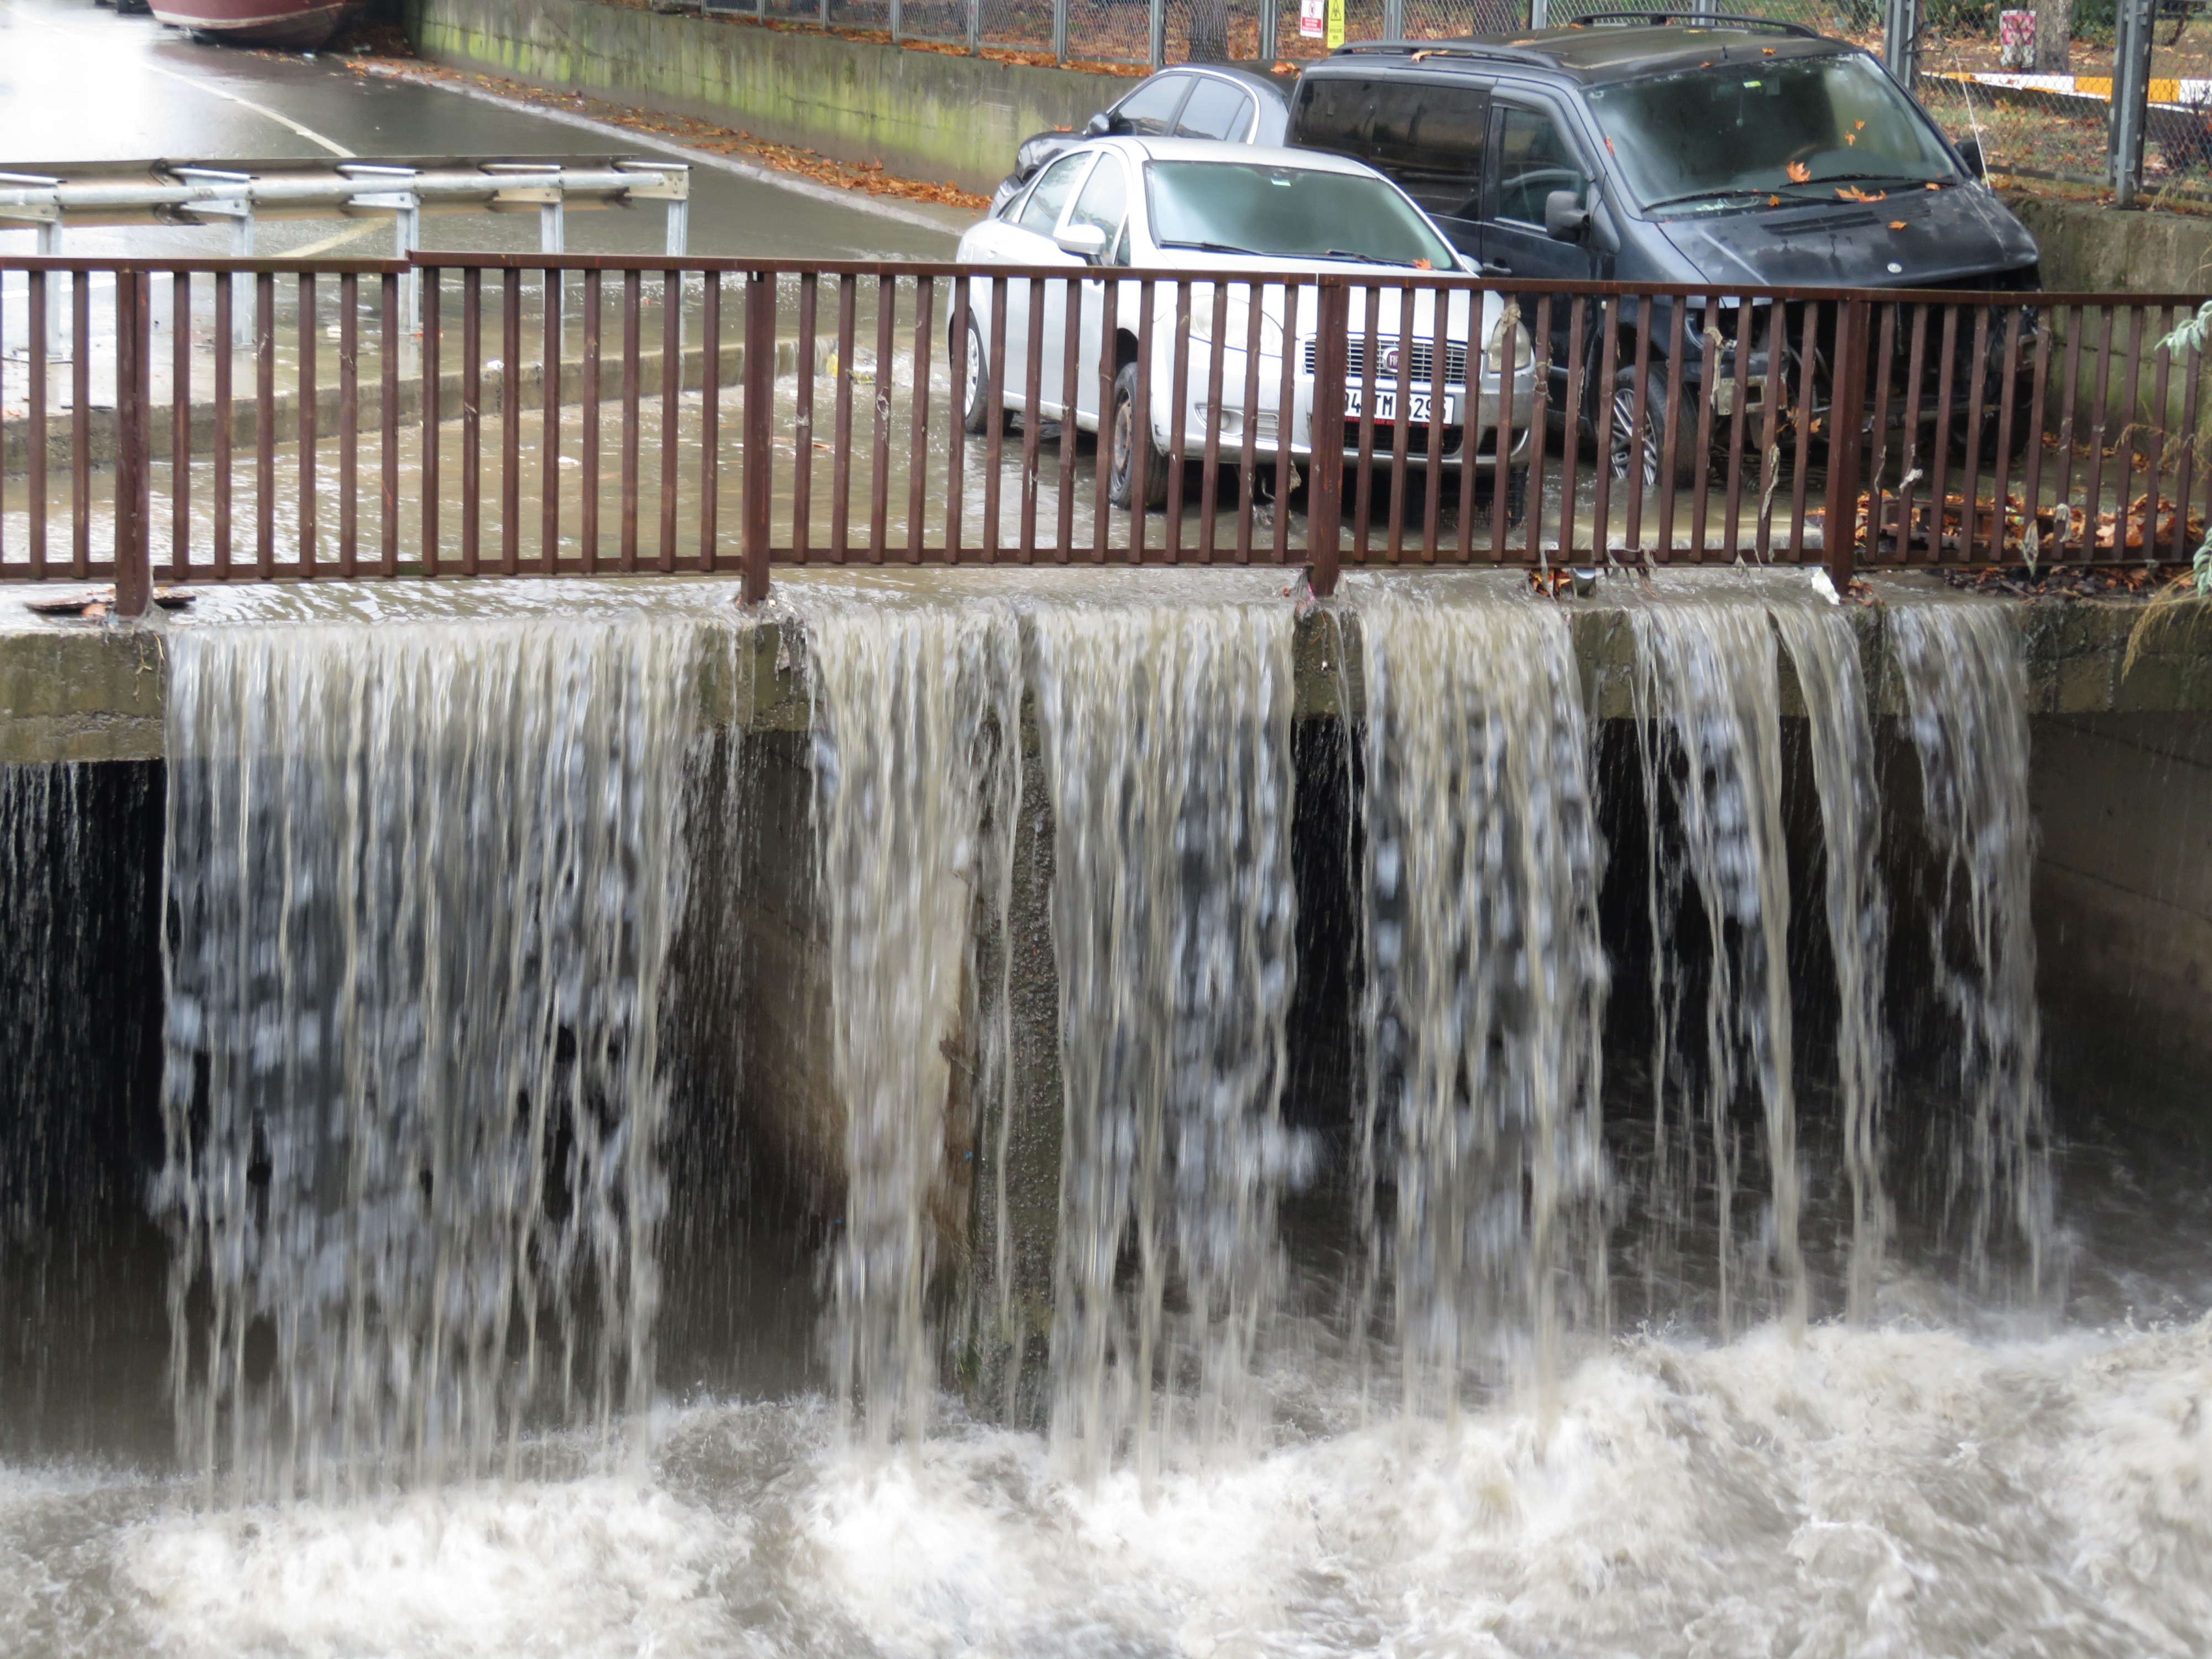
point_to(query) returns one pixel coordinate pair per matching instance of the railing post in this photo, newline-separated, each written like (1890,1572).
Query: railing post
(1900,41)
(1847,438)
(2131,99)
(760,393)
(1325,436)
(134,578)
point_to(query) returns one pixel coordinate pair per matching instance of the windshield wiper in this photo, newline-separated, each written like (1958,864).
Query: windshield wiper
(1364,258)
(1705,196)
(1217,247)
(1870,178)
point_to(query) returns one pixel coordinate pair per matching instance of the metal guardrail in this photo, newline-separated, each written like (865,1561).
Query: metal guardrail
(586,415)
(52,197)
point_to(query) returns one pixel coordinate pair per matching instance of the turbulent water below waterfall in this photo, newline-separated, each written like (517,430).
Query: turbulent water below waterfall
(1657,1240)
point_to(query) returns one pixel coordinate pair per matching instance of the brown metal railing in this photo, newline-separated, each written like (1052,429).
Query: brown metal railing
(296,424)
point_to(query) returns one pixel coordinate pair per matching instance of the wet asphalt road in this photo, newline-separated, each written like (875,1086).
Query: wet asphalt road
(78,82)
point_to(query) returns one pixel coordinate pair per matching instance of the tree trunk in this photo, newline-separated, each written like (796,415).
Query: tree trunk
(1209,31)
(2054,32)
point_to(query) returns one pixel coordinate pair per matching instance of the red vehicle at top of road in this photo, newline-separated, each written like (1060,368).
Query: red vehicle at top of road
(297,25)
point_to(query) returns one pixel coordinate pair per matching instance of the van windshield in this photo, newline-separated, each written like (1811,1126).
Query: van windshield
(1811,129)
(1288,213)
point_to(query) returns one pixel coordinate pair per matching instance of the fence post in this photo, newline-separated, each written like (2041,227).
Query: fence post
(974,29)
(1325,437)
(1394,20)
(1058,31)
(1157,37)
(1900,41)
(1271,29)
(898,21)
(2131,99)
(760,394)
(134,579)
(1846,438)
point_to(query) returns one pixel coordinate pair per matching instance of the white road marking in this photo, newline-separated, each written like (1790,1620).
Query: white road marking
(350,233)
(262,110)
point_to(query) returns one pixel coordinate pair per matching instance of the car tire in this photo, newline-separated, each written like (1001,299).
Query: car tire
(975,410)
(1129,426)
(1622,441)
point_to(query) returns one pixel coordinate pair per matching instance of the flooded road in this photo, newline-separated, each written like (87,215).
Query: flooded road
(79,83)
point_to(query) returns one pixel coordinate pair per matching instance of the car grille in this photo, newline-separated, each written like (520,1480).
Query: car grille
(1422,356)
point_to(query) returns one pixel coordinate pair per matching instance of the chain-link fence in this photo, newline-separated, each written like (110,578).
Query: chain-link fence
(2034,87)
(2113,93)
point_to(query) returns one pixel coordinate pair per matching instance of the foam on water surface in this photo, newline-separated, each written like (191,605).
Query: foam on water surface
(1853,1493)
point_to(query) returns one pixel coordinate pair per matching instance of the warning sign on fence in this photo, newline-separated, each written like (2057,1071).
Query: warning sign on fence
(1311,18)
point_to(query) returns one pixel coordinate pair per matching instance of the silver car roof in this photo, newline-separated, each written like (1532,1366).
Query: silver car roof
(1215,150)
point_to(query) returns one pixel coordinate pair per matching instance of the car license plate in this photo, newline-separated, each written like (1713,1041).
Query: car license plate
(1420,408)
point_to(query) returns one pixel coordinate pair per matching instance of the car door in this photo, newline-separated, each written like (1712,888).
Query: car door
(1216,108)
(1534,150)
(1150,111)
(1103,202)
(1024,237)
(1428,137)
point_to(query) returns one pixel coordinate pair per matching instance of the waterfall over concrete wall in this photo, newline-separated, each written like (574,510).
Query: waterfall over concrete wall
(1709,708)
(1166,736)
(1484,987)
(915,711)
(421,881)
(1966,703)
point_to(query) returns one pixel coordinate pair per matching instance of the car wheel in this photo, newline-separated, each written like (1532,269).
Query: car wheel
(1129,427)
(975,410)
(1643,453)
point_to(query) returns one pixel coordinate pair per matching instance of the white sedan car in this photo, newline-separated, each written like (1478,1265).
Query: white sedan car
(1183,208)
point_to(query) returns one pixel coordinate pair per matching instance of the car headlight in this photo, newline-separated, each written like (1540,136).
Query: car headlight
(1509,327)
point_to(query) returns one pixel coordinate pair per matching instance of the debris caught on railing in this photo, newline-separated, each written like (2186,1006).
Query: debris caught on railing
(2053,534)
(2072,582)
(93,604)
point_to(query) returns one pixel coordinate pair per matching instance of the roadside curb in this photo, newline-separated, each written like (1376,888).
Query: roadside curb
(858,200)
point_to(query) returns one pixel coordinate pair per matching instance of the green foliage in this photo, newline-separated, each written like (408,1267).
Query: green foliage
(2188,334)
(1960,16)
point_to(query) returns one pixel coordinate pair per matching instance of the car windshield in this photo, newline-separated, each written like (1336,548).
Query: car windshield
(1288,213)
(1814,128)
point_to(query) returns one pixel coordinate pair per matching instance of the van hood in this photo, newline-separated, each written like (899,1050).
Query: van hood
(1909,238)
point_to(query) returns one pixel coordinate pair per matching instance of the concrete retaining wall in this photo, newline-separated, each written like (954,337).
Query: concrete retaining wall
(922,114)
(2089,249)
(2123,913)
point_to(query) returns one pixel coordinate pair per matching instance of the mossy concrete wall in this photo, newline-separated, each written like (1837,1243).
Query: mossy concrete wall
(922,114)
(2088,249)
(2091,249)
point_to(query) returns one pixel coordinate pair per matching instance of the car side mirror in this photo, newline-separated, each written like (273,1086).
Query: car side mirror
(1086,242)
(1970,152)
(1097,127)
(1566,218)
